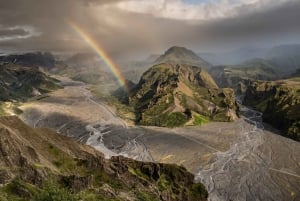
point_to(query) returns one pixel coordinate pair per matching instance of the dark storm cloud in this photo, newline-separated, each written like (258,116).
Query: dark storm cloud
(124,33)
(13,33)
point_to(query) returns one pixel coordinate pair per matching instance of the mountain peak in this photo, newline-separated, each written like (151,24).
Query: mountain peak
(173,95)
(182,55)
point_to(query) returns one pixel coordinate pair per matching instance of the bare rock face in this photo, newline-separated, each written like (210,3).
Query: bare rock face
(29,157)
(178,94)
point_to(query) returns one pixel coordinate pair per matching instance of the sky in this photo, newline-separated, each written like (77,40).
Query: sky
(135,28)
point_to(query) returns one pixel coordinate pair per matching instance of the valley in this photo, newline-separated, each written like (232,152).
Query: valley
(241,160)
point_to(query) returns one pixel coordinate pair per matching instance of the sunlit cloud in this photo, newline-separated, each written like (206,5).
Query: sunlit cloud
(196,9)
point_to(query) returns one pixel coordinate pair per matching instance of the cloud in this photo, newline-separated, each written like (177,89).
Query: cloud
(130,29)
(181,10)
(17,32)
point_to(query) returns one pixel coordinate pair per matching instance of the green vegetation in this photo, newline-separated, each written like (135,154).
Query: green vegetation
(61,160)
(52,191)
(175,119)
(200,120)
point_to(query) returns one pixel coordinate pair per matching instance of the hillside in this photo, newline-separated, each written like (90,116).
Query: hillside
(182,55)
(174,95)
(239,76)
(37,164)
(279,101)
(20,83)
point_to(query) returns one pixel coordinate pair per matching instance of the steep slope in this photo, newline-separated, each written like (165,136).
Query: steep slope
(239,76)
(279,101)
(181,55)
(173,95)
(19,83)
(29,157)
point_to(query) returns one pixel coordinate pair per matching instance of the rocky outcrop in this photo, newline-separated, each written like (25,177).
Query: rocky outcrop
(280,103)
(177,94)
(30,157)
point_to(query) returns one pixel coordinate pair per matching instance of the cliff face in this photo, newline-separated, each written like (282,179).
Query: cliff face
(279,101)
(178,94)
(29,158)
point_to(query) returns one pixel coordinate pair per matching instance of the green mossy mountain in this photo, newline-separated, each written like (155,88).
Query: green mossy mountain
(239,77)
(279,101)
(38,164)
(182,55)
(19,83)
(176,94)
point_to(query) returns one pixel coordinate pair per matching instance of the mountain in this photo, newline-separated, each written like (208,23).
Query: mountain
(38,164)
(286,58)
(181,55)
(19,83)
(86,60)
(279,101)
(179,94)
(45,60)
(239,76)
(85,67)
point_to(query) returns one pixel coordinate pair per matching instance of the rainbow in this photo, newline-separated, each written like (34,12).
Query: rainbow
(100,51)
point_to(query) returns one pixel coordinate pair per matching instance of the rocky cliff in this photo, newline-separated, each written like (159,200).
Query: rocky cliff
(280,103)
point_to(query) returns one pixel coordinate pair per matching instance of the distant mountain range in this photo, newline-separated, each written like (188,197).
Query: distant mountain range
(238,77)
(284,58)
(37,59)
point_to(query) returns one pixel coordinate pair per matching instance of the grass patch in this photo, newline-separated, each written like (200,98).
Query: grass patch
(62,161)
(199,120)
